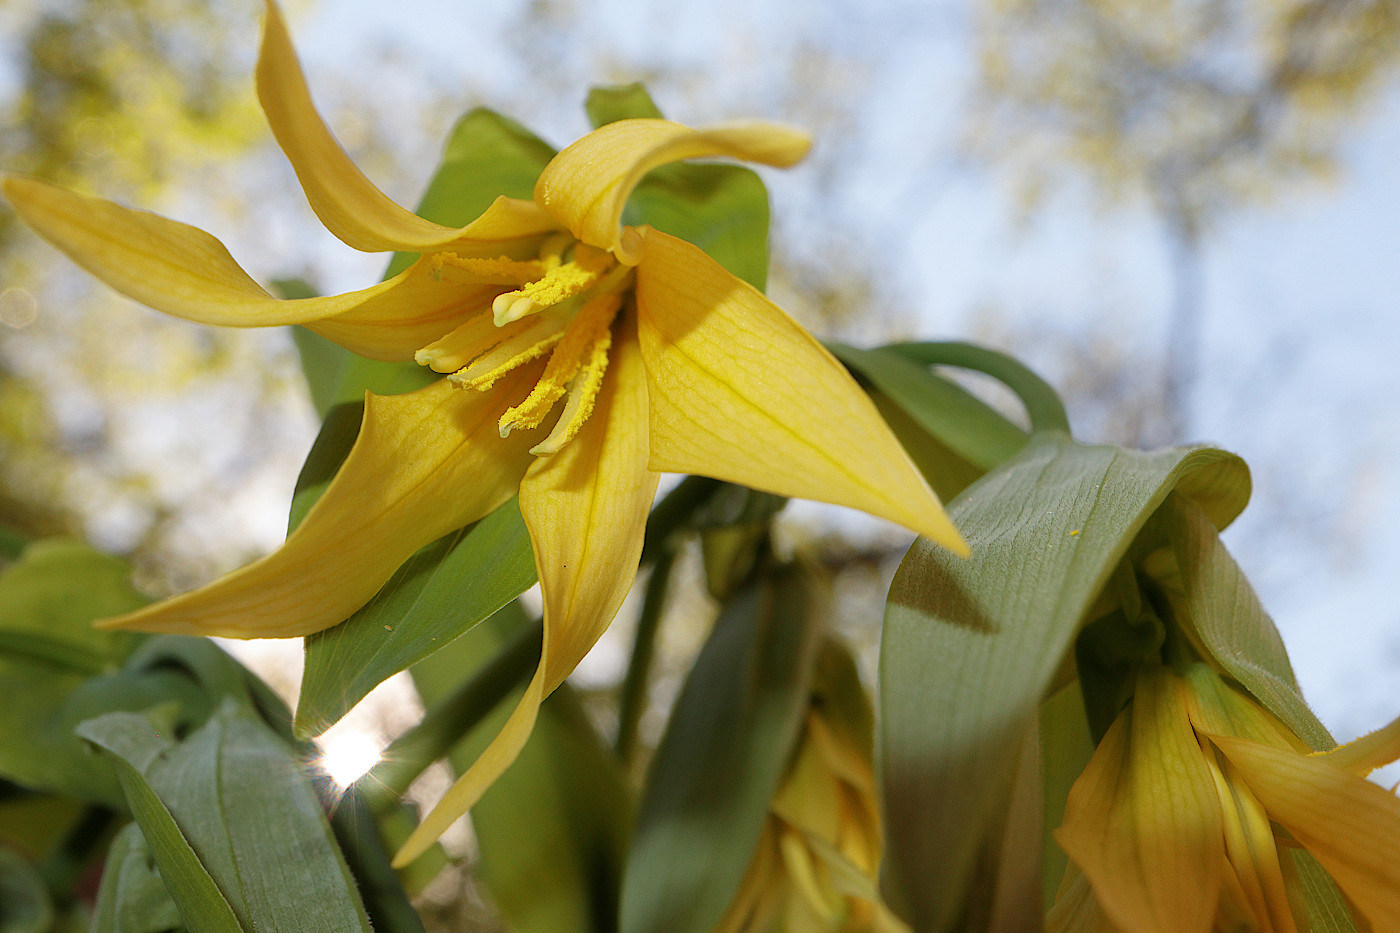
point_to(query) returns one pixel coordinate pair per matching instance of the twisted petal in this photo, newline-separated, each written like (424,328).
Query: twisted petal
(1350,825)
(1142,822)
(586,508)
(424,464)
(742,393)
(347,202)
(185,272)
(586,186)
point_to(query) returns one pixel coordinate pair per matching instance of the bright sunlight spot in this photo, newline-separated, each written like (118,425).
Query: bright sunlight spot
(347,755)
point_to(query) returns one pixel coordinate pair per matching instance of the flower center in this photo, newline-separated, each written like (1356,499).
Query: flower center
(564,305)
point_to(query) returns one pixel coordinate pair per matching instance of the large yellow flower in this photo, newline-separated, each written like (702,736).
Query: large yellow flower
(1190,815)
(662,361)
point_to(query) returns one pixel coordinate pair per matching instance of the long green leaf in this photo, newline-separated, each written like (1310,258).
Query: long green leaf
(233,824)
(440,593)
(970,646)
(722,759)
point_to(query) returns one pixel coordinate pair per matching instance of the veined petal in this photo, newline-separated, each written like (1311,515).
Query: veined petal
(425,463)
(740,392)
(347,202)
(586,186)
(586,508)
(1142,822)
(1350,825)
(183,271)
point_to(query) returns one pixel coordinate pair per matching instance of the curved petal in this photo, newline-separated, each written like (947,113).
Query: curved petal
(586,508)
(1351,826)
(347,202)
(1142,822)
(739,391)
(183,271)
(425,463)
(586,186)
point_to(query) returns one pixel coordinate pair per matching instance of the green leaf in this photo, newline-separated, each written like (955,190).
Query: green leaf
(722,759)
(487,156)
(49,598)
(970,646)
(332,445)
(946,472)
(25,905)
(11,543)
(610,103)
(437,595)
(967,427)
(233,824)
(133,898)
(723,209)
(553,828)
(1232,623)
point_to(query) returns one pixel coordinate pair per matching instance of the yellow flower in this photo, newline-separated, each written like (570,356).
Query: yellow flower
(662,360)
(1195,808)
(818,859)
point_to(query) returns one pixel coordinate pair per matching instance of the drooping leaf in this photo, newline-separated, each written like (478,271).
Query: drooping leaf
(722,759)
(967,427)
(132,897)
(970,646)
(552,829)
(1232,623)
(440,593)
(232,823)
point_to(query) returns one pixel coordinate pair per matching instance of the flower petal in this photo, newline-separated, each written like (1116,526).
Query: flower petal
(1351,826)
(347,202)
(425,463)
(183,271)
(587,185)
(586,508)
(740,392)
(1363,755)
(1143,823)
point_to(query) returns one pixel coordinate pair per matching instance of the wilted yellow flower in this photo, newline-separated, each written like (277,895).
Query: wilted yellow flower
(818,861)
(663,361)
(1200,810)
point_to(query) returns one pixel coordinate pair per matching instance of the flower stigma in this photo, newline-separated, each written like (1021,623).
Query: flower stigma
(563,304)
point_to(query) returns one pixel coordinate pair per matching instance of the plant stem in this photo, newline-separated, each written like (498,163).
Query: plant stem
(634,687)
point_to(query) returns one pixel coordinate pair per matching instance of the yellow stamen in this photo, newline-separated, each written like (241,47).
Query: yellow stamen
(528,343)
(501,271)
(465,343)
(591,322)
(557,284)
(804,875)
(583,392)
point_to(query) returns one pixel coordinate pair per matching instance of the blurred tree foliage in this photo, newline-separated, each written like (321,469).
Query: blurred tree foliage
(121,97)
(1202,106)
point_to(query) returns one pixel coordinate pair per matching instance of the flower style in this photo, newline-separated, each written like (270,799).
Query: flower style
(655,358)
(818,859)
(1191,812)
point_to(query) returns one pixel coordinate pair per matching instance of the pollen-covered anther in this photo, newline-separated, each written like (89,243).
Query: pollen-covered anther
(529,342)
(583,393)
(503,271)
(557,284)
(591,324)
(463,344)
